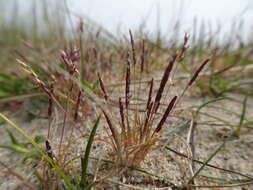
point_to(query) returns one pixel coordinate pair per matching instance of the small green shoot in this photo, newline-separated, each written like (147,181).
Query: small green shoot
(12,86)
(22,148)
(85,157)
(2,122)
(237,132)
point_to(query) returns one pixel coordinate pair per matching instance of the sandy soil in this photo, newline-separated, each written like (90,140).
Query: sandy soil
(208,133)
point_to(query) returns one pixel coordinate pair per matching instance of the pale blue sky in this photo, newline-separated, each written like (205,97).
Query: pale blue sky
(128,14)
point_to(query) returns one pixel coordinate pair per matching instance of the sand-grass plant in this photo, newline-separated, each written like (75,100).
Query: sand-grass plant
(66,96)
(42,152)
(138,128)
(53,168)
(64,93)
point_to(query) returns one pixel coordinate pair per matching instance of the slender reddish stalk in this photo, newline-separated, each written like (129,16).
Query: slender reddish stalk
(147,118)
(110,125)
(150,93)
(121,110)
(77,105)
(102,86)
(133,47)
(28,45)
(155,106)
(194,77)
(142,55)
(166,114)
(184,48)
(23,57)
(65,116)
(164,81)
(50,110)
(115,136)
(127,90)
(49,113)
(50,106)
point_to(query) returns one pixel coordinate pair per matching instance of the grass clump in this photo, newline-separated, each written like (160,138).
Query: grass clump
(138,130)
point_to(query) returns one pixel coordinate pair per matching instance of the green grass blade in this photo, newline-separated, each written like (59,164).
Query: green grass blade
(242,117)
(207,161)
(85,157)
(6,77)
(39,139)
(41,151)
(13,139)
(243,111)
(1,120)
(14,148)
(208,102)
(88,85)
(29,155)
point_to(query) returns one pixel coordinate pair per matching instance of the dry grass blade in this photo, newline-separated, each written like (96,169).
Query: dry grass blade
(20,180)
(112,129)
(207,161)
(50,94)
(224,185)
(23,57)
(115,136)
(209,165)
(29,70)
